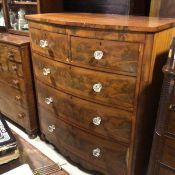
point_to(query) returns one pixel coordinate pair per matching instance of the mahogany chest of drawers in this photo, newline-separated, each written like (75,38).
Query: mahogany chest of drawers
(95,86)
(17,101)
(162,159)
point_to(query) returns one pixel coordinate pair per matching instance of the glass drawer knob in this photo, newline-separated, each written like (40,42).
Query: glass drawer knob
(98,55)
(97,121)
(43,43)
(51,128)
(48,100)
(46,71)
(14,68)
(97,87)
(96,152)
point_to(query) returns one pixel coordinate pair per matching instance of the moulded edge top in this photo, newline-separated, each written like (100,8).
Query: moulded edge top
(105,21)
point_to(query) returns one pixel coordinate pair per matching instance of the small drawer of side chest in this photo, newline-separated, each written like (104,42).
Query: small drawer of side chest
(108,55)
(168,152)
(103,155)
(165,171)
(15,112)
(50,44)
(15,68)
(13,94)
(10,52)
(111,123)
(13,81)
(109,89)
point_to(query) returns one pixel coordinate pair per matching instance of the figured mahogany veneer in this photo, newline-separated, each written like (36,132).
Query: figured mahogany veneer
(97,78)
(17,100)
(115,124)
(116,90)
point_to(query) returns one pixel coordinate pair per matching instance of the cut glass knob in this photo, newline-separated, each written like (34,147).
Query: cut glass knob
(97,87)
(98,55)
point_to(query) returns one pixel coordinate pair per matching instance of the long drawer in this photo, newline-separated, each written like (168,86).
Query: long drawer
(105,54)
(102,155)
(13,94)
(109,122)
(110,89)
(50,44)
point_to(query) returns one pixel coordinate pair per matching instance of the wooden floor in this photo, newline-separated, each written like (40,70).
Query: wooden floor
(31,156)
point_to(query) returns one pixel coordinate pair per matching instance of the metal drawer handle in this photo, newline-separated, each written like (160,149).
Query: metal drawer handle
(97,87)
(97,121)
(21,116)
(46,71)
(51,128)
(43,43)
(18,98)
(15,82)
(96,152)
(14,67)
(11,56)
(98,55)
(48,100)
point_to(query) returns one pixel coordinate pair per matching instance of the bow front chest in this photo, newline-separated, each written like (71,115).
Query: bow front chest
(97,86)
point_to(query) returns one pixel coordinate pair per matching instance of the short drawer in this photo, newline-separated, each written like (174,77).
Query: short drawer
(168,152)
(14,54)
(10,52)
(50,44)
(13,94)
(15,112)
(15,68)
(105,54)
(13,81)
(109,89)
(109,122)
(101,154)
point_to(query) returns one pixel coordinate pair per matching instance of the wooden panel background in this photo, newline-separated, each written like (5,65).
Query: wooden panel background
(137,7)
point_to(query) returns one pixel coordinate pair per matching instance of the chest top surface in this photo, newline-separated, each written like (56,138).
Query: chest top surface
(106,21)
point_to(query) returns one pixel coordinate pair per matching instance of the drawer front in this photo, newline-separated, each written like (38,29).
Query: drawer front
(109,122)
(168,152)
(101,154)
(15,68)
(13,94)
(170,125)
(9,52)
(14,54)
(50,44)
(166,171)
(14,112)
(109,55)
(12,81)
(109,89)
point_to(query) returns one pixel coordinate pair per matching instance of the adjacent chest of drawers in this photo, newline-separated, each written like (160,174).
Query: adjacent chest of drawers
(162,159)
(95,86)
(17,100)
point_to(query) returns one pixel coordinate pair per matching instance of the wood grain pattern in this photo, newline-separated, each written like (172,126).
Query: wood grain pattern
(16,80)
(81,144)
(58,50)
(165,171)
(116,90)
(76,78)
(168,152)
(115,124)
(117,56)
